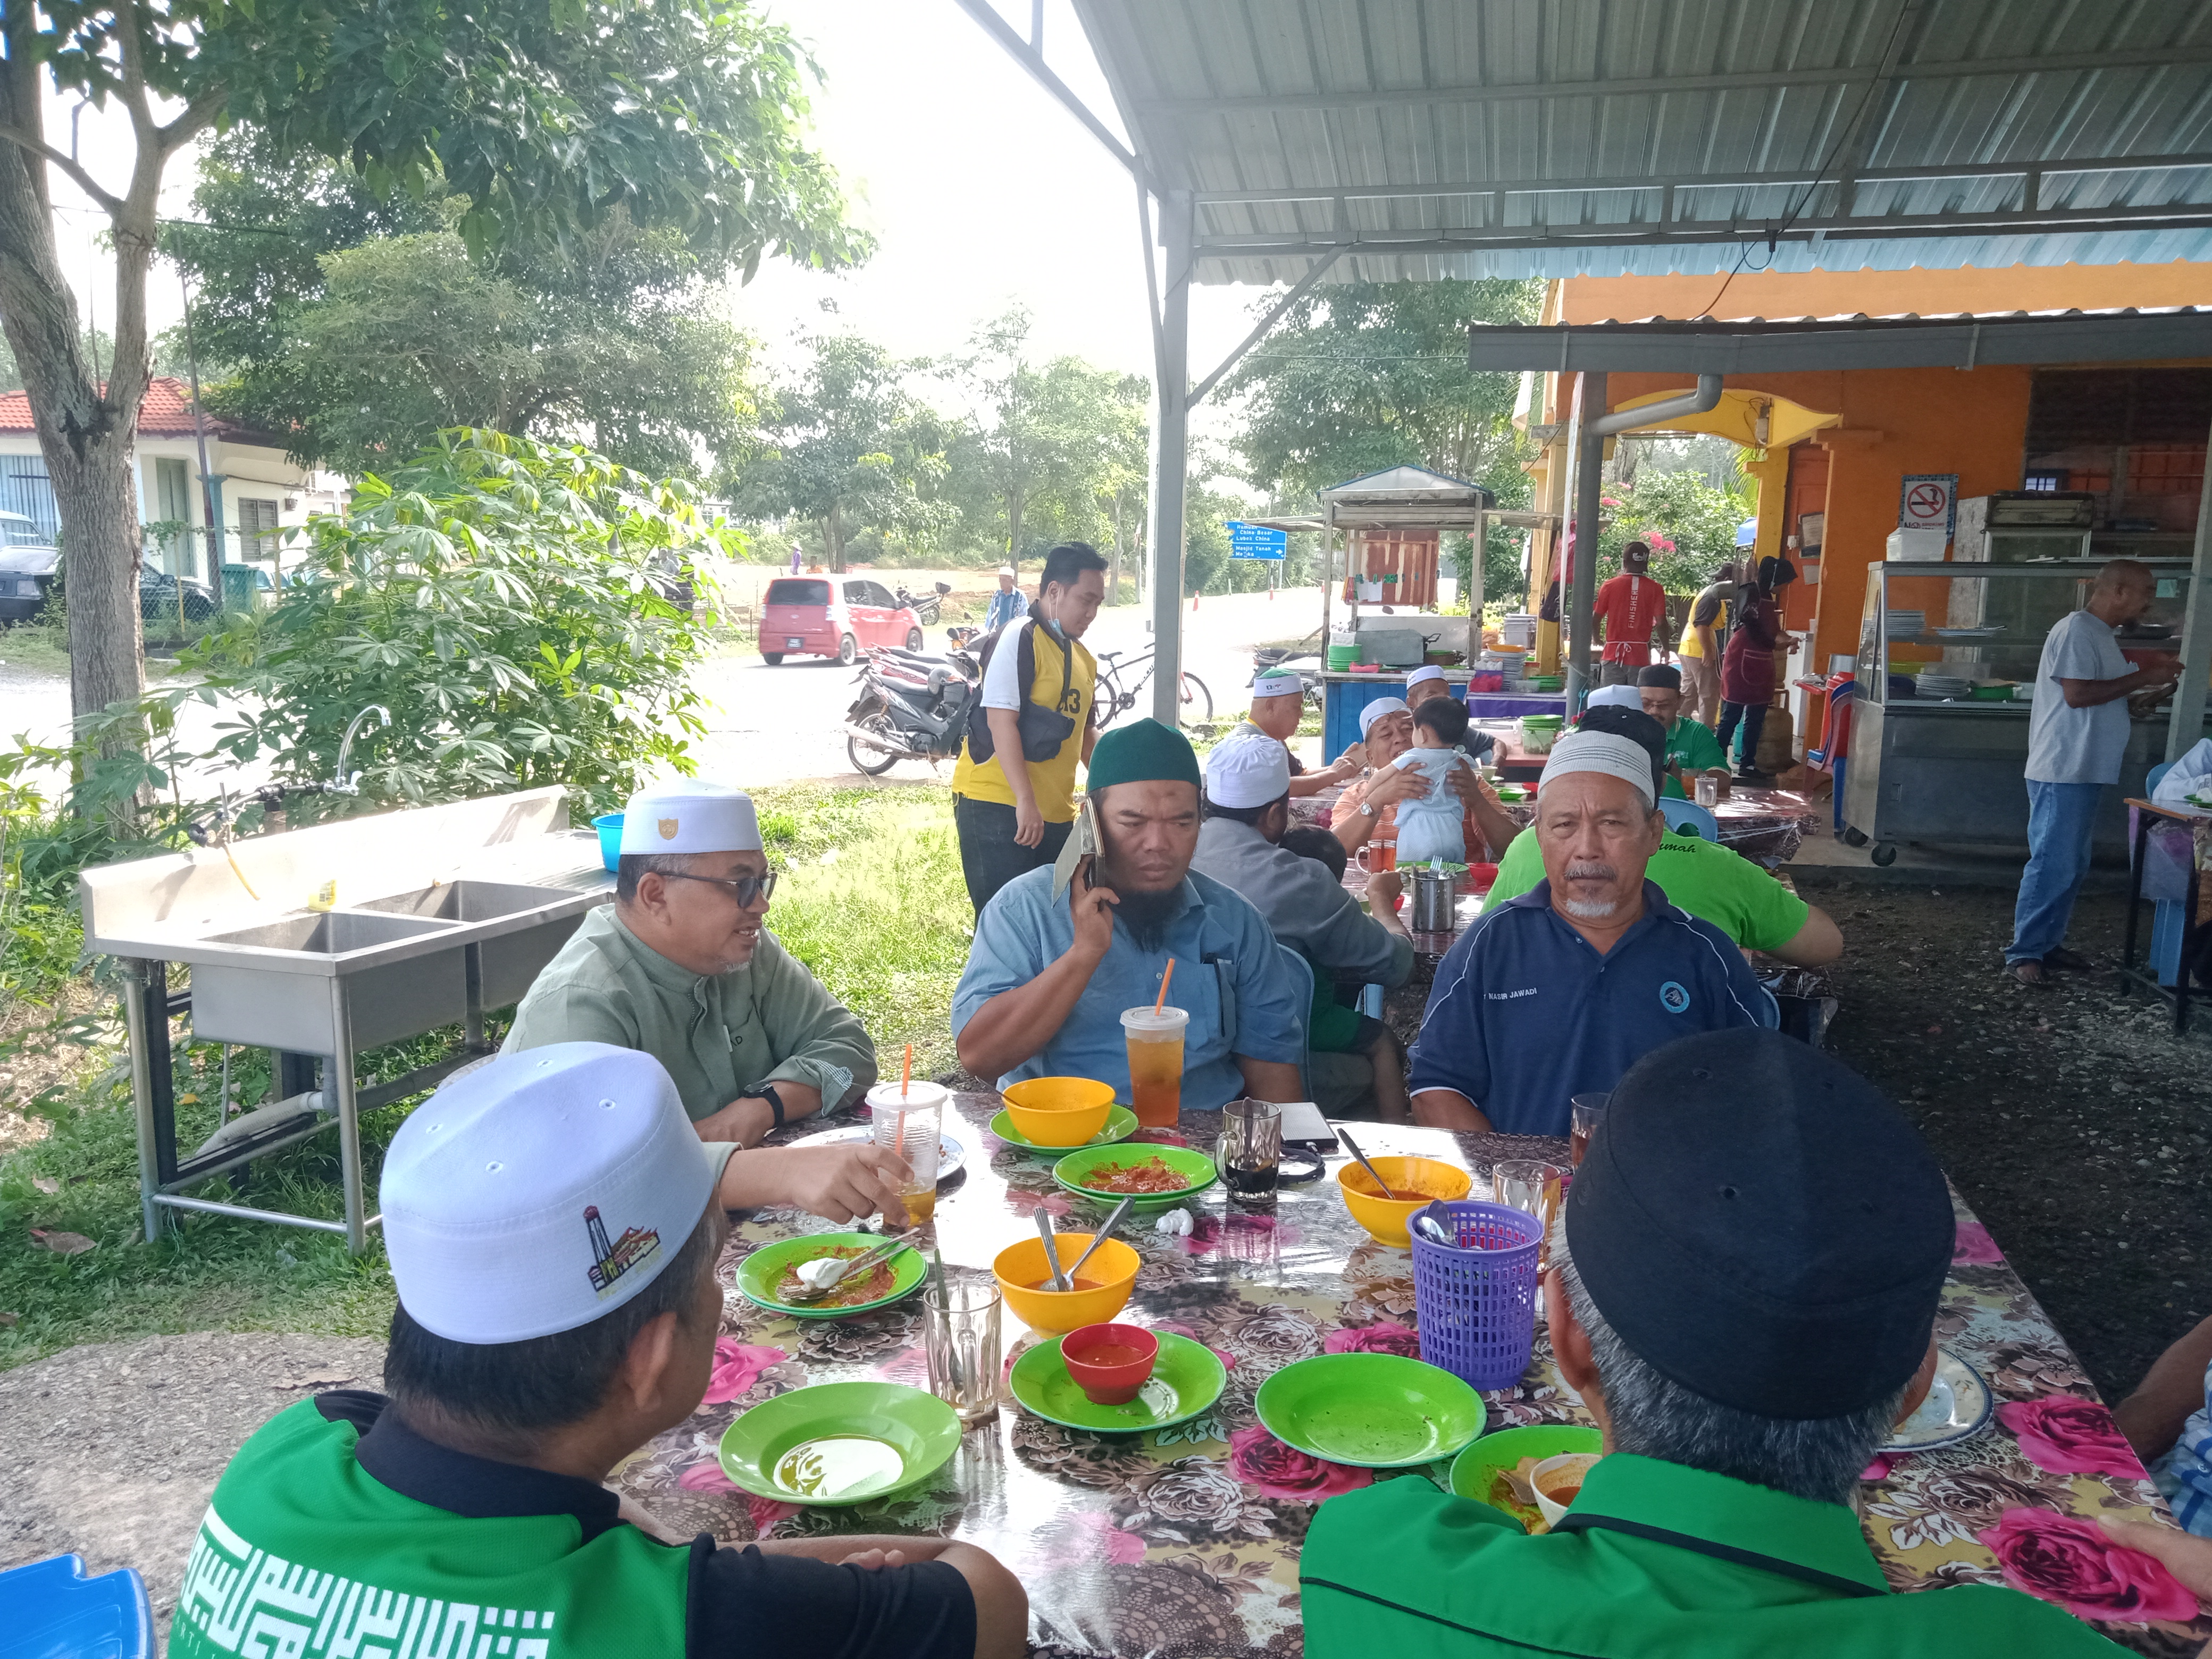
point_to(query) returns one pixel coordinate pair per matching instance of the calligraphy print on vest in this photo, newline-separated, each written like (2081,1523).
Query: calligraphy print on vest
(240,1600)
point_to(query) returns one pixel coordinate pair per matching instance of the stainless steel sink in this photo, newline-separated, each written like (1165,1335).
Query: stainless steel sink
(507,961)
(332,934)
(469,900)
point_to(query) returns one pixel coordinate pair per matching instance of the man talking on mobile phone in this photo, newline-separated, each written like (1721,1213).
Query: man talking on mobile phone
(1051,971)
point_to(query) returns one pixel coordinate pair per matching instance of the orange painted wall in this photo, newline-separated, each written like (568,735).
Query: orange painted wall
(1879,293)
(1973,423)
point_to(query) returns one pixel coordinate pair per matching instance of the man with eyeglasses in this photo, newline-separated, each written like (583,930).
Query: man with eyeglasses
(681,967)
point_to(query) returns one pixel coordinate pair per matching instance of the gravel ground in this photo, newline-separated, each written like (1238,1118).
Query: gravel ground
(2072,1121)
(111,1450)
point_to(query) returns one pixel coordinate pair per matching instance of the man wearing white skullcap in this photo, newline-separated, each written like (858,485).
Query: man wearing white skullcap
(1557,993)
(554,1233)
(1248,812)
(1279,703)
(682,966)
(1426,682)
(1368,809)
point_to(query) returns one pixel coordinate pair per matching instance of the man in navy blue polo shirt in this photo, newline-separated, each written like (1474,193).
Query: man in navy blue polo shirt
(1558,992)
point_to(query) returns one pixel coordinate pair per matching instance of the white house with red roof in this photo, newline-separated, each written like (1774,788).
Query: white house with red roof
(257,490)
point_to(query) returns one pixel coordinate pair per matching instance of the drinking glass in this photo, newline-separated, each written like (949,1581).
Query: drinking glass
(910,1123)
(960,1328)
(1589,1113)
(1532,1187)
(1378,855)
(1155,1041)
(1250,1153)
(1709,790)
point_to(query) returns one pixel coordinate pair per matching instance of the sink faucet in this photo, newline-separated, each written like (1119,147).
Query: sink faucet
(350,784)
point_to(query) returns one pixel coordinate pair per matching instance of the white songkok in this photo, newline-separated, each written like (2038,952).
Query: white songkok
(1376,709)
(689,816)
(1425,672)
(540,1192)
(1248,771)
(1615,696)
(1602,751)
(1283,683)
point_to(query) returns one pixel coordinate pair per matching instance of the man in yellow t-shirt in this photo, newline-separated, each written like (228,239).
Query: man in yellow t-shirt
(1014,805)
(1701,649)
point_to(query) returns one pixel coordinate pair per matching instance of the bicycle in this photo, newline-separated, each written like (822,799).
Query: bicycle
(1113,701)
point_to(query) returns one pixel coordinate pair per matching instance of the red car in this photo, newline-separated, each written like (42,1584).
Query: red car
(836,617)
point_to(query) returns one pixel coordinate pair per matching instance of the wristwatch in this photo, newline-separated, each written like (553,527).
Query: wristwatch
(767,1091)
(1367,808)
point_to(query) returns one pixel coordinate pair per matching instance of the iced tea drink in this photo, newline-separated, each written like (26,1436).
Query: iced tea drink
(1155,1039)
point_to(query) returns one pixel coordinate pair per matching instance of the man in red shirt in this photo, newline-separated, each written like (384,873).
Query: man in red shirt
(1631,609)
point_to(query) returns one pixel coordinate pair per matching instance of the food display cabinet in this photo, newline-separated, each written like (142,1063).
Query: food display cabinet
(1946,665)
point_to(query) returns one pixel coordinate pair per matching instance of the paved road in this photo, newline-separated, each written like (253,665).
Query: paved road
(780,725)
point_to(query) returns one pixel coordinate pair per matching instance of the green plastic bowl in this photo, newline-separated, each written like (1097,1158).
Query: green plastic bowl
(1471,1471)
(871,1439)
(1195,1167)
(759,1274)
(1373,1410)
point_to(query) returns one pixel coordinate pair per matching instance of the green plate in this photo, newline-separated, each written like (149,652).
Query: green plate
(1374,1411)
(869,1438)
(758,1273)
(1471,1471)
(1195,1167)
(1121,1124)
(1187,1378)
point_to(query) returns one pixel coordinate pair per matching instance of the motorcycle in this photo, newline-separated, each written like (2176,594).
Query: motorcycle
(912,706)
(926,607)
(960,637)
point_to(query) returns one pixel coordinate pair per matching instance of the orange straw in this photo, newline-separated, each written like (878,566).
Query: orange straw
(906,1072)
(1164,978)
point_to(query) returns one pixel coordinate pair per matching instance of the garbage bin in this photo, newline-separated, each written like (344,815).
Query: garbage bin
(241,588)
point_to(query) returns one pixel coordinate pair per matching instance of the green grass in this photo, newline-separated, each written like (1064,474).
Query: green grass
(42,647)
(871,900)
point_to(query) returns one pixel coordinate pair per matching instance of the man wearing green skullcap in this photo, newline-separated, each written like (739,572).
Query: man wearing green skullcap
(1051,970)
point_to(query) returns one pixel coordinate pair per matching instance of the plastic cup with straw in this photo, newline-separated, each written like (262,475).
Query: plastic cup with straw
(1155,1038)
(909,1121)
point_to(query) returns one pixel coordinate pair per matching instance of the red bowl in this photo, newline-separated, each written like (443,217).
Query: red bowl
(1481,878)
(1116,1379)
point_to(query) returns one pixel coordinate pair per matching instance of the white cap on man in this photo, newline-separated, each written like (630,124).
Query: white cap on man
(1005,570)
(537,1193)
(1376,709)
(1248,771)
(1421,675)
(1280,683)
(1614,697)
(1603,751)
(690,817)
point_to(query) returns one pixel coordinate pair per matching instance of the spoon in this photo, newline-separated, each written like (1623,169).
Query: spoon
(837,1269)
(1425,1224)
(1369,1168)
(1112,1222)
(1051,1254)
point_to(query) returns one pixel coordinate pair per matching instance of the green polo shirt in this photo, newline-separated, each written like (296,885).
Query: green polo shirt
(1708,880)
(719,1036)
(1655,1561)
(1692,746)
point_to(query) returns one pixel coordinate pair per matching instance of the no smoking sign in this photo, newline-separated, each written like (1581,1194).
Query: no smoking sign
(1928,500)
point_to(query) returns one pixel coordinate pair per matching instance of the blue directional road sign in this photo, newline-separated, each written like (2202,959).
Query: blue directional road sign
(1252,541)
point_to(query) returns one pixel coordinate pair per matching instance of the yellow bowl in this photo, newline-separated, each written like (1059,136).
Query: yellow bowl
(1385,1219)
(1059,1111)
(1021,1267)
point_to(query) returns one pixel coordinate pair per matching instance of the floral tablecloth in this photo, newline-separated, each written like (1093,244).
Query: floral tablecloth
(1185,1542)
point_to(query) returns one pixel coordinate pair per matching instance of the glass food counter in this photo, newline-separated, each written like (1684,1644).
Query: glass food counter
(1947,660)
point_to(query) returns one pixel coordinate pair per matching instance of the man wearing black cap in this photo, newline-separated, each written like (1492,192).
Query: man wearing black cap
(1693,750)
(1754,1247)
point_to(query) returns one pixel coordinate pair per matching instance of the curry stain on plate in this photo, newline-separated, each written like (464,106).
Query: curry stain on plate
(839,1466)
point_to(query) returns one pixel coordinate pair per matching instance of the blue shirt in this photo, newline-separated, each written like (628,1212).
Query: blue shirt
(1005,607)
(1230,977)
(1525,1014)
(2184,1474)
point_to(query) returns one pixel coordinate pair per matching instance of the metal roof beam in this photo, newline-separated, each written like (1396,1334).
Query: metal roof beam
(1298,291)
(2193,216)
(1689,347)
(1961,68)
(1789,177)
(1030,57)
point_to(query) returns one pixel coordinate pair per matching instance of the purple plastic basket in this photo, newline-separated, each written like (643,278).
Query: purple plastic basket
(1476,1305)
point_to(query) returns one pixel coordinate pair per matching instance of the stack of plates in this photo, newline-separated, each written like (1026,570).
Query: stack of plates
(1907,621)
(1943,686)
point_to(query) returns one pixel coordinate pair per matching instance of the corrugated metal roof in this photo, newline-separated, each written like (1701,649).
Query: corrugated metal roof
(1588,137)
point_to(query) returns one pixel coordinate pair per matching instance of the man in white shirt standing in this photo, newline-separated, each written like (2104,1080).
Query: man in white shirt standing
(2076,734)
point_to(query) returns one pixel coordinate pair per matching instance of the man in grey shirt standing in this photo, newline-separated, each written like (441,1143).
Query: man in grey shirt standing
(2076,734)
(1248,792)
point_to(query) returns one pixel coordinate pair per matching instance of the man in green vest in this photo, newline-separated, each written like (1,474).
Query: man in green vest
(1754,1248)
(682,966)
(551,1237)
